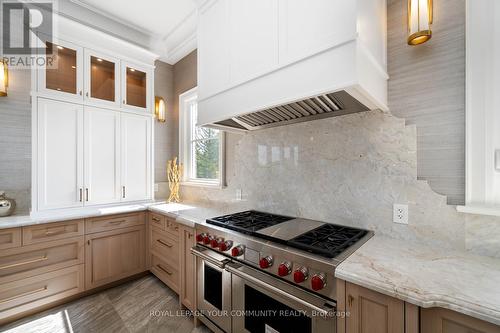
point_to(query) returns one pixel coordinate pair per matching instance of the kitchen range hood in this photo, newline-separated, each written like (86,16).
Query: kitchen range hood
(330,61)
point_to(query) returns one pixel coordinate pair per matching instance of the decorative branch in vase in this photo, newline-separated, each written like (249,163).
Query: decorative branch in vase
(174,173)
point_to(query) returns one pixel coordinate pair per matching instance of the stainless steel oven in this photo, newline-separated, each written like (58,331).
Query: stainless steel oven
(213,293)
(240,299)
(262,303)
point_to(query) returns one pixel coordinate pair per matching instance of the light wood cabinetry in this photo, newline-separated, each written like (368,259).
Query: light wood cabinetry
(107,223)
(165,272)
(10,238)
(157,220)
(187,293)
(113,255)
(52,231)
(437,320)
(372,312)
(30,293)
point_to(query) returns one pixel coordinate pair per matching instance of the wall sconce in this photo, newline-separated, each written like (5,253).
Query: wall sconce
(4,78)
(160,109)
(419,21)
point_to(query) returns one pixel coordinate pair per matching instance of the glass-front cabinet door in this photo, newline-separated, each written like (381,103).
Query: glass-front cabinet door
(62,72)
(102,79)
(136,87)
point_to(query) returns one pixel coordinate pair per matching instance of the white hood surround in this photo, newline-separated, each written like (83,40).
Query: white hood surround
(348,56)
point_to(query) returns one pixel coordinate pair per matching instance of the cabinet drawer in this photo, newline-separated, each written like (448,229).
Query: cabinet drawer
(52,231)
(172,227)
(165,272)
(157,220)
(10,238)
(105,223)
(40,258)
(165,246)
(27,294)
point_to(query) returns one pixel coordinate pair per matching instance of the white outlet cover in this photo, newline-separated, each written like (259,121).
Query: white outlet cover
(400,214)
(239,194)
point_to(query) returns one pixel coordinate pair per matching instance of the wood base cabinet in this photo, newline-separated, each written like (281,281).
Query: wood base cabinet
(373,312)
(438,320)
(114,255)
(188,282)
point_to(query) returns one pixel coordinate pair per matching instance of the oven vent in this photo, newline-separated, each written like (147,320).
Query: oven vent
(317,107)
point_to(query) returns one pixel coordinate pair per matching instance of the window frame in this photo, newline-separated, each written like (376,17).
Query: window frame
(185,140)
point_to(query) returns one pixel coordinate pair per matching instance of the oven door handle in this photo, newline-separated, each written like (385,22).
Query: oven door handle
(203,254)
(246,274)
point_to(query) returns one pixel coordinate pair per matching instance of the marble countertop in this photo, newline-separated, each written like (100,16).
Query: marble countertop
(416,273)
(71,214)
(427,276)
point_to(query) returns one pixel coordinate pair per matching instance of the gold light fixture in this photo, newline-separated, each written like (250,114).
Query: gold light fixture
(160,109)
(4,78)
(419,21)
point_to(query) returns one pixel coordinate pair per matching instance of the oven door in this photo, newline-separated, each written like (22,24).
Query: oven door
(265,304)
(213,287)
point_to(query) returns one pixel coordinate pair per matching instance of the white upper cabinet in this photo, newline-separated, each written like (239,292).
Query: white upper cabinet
(136,157)
(102,79)
(213,48)
(102,156)
(253,51)
(60,154)
(137,93)
(61,76)
(92,121)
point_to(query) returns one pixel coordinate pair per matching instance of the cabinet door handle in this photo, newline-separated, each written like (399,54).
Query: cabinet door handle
(88,242)
(87,94)
(117,222)
(350,299)
(123,192)
(164,243)
(155,219)
(53,233)
(86,194)
(164,269)
(81,194)
(81,93)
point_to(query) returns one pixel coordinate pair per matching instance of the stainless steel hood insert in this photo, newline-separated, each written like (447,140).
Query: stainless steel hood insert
(317,107)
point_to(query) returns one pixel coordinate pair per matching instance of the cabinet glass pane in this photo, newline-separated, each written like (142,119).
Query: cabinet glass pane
(60,72)
(102,79)
(136,87)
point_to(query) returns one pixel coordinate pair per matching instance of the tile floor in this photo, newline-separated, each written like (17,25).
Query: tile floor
(143,305)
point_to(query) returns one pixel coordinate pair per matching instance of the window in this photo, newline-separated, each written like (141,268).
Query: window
(200,148)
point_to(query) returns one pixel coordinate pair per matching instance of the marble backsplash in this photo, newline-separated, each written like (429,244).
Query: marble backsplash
(354,168)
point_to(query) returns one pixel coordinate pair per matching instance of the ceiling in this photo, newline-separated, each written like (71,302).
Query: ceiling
(171,24)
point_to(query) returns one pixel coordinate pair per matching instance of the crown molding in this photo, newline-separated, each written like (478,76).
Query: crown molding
(171,47)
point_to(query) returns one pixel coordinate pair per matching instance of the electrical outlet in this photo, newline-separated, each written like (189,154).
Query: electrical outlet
(157,187)
(400,214)
(239,194)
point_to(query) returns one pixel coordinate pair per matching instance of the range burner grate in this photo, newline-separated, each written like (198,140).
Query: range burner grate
(328,240)
(249,221)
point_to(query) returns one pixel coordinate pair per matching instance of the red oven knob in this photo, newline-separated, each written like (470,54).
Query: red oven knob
(237,251)
(300,275)
(200,237)
(207,239)
(215,242)
(224,246)
(266,262)
(318,281)
(284,269)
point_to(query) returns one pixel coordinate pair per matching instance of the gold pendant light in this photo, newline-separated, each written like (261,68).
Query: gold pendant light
(4,78)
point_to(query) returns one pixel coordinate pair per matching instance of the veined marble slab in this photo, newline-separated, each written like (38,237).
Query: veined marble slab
(427,276)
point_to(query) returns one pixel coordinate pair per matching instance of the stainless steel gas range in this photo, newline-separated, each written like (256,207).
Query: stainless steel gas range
(260,272)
